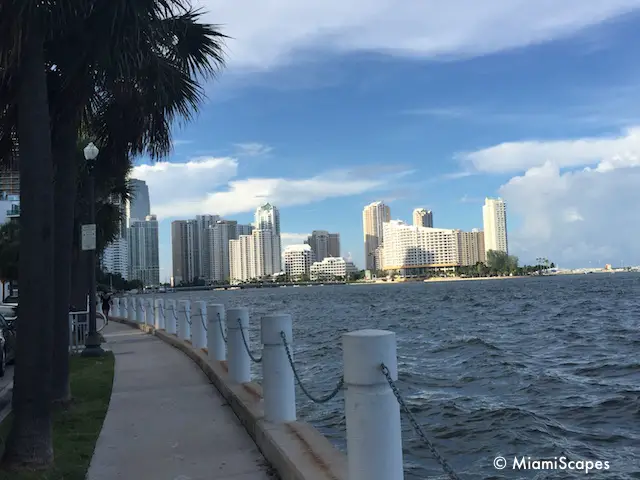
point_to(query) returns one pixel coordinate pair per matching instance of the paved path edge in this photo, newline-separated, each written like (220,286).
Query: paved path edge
(296,450)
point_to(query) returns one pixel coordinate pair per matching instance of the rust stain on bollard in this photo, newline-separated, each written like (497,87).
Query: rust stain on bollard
(316,458)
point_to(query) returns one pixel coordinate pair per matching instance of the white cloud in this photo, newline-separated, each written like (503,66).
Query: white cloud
(292,239)
(252,149)
(576,201)
(268,34)
(209,185)
(608,152)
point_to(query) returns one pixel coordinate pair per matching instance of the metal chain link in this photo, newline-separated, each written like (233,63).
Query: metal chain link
(320,400)
(187,316)
(416,426)
(201,319)
(246,345)
(224,337)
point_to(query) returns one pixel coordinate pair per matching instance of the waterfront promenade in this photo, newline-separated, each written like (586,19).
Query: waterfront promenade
(167,421)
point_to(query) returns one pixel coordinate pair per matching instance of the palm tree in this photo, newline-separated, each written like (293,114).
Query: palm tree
(23,94)
(140,59)
(131,112)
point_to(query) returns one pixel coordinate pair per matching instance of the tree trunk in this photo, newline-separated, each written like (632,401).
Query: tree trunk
(29,443)
(64,155)
(79,275)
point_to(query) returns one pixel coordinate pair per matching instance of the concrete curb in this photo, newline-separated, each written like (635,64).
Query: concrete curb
(296,449)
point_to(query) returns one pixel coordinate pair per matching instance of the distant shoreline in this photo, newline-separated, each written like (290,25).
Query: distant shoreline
(432,279)
(459,279)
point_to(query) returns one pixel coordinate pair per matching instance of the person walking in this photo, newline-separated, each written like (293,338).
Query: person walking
(106,306)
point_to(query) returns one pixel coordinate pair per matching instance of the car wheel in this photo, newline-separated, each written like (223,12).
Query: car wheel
(3,362)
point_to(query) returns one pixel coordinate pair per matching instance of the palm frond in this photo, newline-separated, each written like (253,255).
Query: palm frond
(196,47)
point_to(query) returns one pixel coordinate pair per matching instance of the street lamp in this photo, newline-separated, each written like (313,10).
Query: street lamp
(92,343)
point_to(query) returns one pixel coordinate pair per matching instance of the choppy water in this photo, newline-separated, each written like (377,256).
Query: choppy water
(538,367)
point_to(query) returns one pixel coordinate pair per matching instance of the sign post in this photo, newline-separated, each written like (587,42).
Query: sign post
(88,237)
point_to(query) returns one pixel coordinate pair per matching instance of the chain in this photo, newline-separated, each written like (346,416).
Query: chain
(203,323)
(246,345)
(325,399)
(416,426)
(221,330)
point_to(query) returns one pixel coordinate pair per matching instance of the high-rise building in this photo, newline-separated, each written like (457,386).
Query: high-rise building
(324,244)
(219,237)
(332,268)
(242,259)
(184,251)
(494,215)
(263,253)
(243,230)
(251,256)
(138,207)
(204,225)
(115,258)
(10,172)
(471,247)
(144,258)
(267,217)
(334,245)
(422,218)
(414,250)
(298,260)
(374,216)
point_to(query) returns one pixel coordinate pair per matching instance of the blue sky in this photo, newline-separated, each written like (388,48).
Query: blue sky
(325,107)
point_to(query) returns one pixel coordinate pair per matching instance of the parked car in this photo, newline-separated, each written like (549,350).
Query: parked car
(10,312)
(7,343)
(11,300)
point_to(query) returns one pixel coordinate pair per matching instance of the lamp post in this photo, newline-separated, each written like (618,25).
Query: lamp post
(92,346)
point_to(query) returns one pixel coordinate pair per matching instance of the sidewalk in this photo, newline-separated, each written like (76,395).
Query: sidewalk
(166,421)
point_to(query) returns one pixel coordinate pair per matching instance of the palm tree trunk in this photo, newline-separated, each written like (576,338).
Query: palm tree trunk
(64,153)
(29,443)
(79,287)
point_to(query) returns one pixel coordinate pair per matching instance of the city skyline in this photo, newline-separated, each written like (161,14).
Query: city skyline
(543,116)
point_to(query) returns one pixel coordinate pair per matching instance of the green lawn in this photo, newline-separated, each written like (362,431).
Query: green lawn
(75,430)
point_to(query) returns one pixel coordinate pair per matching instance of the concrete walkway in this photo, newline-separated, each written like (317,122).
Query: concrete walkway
(166,421)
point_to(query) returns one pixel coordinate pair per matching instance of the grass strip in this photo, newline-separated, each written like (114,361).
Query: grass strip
(75,429)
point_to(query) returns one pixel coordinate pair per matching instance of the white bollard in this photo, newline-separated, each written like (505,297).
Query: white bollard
(239,360)
(217,350)
(171,311)
(140,316)
(374,433)
(150,312)
(278,383)
(114,308)
(159,316)
(132,309)
(184,313)
(198,322)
